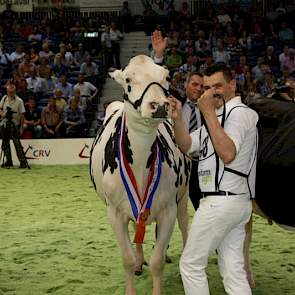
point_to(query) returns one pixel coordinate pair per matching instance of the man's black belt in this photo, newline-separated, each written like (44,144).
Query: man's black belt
(220,193)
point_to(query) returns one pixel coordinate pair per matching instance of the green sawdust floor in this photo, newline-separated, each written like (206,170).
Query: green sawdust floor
(55,239)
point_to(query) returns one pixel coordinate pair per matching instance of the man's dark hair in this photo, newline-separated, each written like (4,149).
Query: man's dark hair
(223,68)
(191,74)
(32,97)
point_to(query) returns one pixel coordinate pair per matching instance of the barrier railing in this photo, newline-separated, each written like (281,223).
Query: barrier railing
(198,6)
(39,13)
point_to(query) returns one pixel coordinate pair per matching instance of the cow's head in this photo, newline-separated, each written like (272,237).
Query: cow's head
(145,85)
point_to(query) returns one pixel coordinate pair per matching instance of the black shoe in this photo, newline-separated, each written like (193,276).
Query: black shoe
(7,164)
(23,166)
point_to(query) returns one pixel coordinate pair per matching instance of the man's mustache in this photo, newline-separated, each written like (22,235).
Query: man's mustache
(218,95)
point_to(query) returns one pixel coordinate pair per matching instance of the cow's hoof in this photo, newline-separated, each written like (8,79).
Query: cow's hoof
(168,259)
(138,270)
(250,279)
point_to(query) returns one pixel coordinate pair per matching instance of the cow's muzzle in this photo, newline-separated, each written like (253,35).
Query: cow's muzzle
(138,102)
(160,110)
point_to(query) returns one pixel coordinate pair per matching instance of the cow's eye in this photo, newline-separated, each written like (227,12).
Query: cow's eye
(128,80)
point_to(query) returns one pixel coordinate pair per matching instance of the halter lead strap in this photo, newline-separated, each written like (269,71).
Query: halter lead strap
(216,156)
(138,102)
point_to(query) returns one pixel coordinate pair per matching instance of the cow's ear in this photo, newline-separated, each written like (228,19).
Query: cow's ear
(160,75)
(117,75)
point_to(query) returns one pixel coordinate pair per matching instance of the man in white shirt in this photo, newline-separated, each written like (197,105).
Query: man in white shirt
(227,146)
(34,83)
(12,112)
(18,55)
(86,88)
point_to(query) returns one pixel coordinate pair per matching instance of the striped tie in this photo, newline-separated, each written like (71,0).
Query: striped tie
(193,122)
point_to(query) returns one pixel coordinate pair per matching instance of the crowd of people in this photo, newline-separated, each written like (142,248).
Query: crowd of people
(260,54)
(51,59)
(58,72)
(58,66)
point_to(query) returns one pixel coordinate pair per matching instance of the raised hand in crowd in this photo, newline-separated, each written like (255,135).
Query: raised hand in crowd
(159,43)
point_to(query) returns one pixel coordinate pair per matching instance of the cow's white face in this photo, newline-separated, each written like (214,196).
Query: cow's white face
(136,78)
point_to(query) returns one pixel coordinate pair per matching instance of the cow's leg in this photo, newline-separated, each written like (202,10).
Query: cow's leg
(139,259)
(120,227)
(166,222)
(247,258)
(167,258)
(258,211)
(182,217)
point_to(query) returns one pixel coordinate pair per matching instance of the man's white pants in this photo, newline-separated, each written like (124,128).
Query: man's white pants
(219,223)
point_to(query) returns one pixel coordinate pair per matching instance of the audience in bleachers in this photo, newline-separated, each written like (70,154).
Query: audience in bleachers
(74,119)
(32,122)
(51,58)
(65,87)
(59,99)
(259,51)
(81,100)
(51,119)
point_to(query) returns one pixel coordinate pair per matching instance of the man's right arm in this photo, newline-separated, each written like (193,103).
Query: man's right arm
(182,136)
(159,46)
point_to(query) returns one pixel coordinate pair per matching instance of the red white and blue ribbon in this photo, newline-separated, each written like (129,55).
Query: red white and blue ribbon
(140,205)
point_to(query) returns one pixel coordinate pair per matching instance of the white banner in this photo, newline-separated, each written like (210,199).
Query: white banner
(17,5)
(55,151)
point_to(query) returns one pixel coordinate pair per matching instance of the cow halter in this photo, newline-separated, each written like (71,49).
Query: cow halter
(138,102)
(140,205)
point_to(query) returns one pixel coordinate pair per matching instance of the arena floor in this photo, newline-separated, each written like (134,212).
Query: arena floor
(55,239)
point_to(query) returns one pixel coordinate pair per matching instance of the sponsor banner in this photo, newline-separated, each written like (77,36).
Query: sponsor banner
(55,151)
(17,5)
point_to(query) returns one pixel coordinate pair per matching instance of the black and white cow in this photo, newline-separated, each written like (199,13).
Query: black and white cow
(138,170)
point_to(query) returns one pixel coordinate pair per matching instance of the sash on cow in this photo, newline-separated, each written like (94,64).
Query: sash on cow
(140,206)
